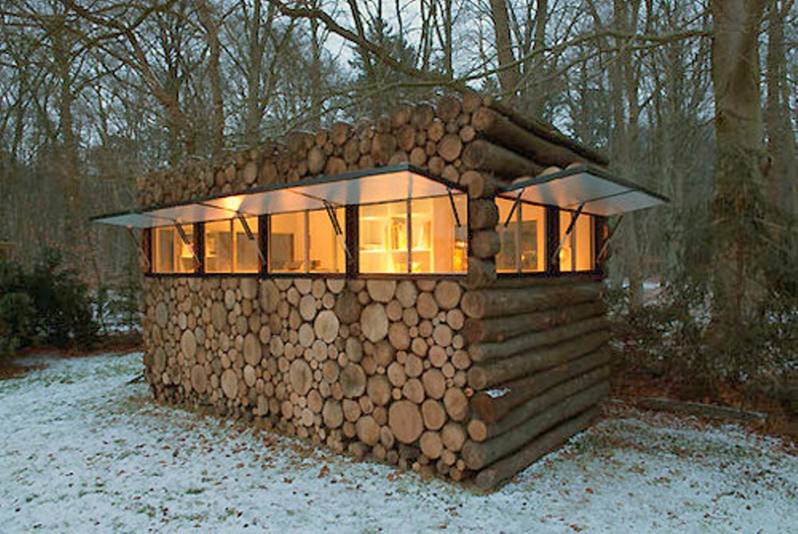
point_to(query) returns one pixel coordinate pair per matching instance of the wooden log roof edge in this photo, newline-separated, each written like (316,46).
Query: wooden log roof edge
(285,142)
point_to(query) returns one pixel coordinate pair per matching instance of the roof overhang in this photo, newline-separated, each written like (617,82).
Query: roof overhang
(596,190)
(387,184)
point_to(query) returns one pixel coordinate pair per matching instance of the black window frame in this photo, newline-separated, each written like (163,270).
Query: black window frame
(352,234)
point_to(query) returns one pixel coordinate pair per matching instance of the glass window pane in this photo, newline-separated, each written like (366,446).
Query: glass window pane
(566,248)
(287,243)
(532,238)
(163,248)
(506,259)
(383,238)
(584,243)
(218,247)
(326,251)
(577,251)
(245,257)
(439,245)
(185,261)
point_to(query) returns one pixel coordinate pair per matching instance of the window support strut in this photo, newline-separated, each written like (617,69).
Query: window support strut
(570,229)
(138,246)
(454,207)
(251,236)
(336,227)
(186,241)
(515,207)
(605,245)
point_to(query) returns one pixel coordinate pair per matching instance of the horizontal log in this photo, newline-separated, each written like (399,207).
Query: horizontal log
(521,281)
(480,431)
(493,405)
(486,156)
(500,371)
(501,328)
(698,409)
(504,469)
(502,131)
(478,455)
(502,302)
(483,352)
(549,133)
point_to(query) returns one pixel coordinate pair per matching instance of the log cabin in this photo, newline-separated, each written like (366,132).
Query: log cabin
(424,289)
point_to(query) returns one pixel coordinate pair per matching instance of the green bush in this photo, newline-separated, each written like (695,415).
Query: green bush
(673,336)
(49,304)
(16,321)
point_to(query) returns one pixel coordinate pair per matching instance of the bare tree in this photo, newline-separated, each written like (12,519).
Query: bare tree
(737,207)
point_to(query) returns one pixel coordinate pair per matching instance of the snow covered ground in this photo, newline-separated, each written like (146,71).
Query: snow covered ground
(81,450)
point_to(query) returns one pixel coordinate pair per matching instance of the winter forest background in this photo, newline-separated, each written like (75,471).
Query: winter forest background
(694,99)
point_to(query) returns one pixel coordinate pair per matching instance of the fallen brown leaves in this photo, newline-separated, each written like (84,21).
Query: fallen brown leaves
(629,385)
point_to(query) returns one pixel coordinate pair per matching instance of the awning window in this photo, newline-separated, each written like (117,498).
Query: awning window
(388,184)
(599,192)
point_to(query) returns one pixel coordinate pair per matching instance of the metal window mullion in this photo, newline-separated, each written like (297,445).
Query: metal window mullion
(269,251)
(263,249)
(198,244)
(352,226)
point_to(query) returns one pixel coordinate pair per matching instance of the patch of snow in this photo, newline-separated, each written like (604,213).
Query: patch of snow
(498,392)
(80,449)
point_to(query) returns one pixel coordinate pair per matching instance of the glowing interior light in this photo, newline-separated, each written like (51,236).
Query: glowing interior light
(435,244)
(230,203)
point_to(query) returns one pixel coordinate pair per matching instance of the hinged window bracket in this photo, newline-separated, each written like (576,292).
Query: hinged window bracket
(574,217)
(186,241)
(454,207)
(138,246)
(251,236)
(516,205)
(339,234)
(610,234)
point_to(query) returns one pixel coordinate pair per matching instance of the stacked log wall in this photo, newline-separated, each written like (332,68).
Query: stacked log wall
(473,387)
(540,369)
(368,367)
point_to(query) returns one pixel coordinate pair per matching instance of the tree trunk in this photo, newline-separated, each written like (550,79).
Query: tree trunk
(781,175)
(509,75)
(214,76)
(737,205)
(252,101)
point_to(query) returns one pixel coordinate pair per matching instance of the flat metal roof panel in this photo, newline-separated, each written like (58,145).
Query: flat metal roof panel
(266,202)
(188,214)
(623,203)
(132,220)
(570,191)
(388,187)
(601,193)
(386,184)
